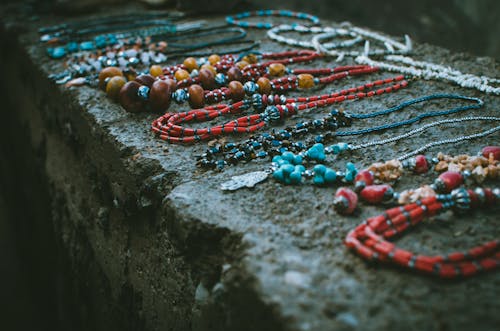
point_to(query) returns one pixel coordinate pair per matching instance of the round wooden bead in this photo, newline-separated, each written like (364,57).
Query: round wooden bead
(172,83)
(181,74)
(242,64)
(147,80)
(234,74)
(277,69)
(207,79)
(213,59)
(156,70)
(129,99)
(190,63)
(114,86)
(159,96)
(209,67)
(250,58)
(196,96)
(264,85)
(237,90)
(305,80)
(106,73)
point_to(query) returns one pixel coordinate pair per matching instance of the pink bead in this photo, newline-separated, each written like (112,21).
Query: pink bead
(363,178)
(345,201)
(495,150)
(448,181)
(421,164)
(377,193)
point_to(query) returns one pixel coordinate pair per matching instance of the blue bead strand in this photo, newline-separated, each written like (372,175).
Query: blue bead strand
(237,19)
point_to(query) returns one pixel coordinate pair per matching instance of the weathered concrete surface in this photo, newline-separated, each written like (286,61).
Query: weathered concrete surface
(146,241)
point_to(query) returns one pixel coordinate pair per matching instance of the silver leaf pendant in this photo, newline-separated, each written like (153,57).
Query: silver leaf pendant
(247,180)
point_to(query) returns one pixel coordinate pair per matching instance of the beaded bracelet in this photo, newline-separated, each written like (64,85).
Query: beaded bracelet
(237,19)
(431,71)
(278,142)
(274,34)
(370,239)
(276,108)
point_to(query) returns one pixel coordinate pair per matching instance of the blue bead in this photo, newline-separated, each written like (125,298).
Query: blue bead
(300,168)
(143,92)
(278,175)
(349,176)
(276,143)
(180,96)
(56,52)
(335,148)
(297,159)
(72,47)
(295,177)
(261,154)
(319,146)
(220,79)
(277,158)
(319,169)
(87,46)
(330,175)
(318,138)
(282,162)
(318,180)
(350,166)
(250,87)
(289,156)
(287,168)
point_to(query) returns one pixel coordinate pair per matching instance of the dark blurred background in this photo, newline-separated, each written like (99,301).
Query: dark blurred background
(470,26)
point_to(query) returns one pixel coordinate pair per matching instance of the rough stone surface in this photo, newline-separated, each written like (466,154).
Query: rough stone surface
(146,241)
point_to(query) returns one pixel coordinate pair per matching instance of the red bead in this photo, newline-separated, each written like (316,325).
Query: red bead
(377,193)
(345,201)
(495,150)
(363,178)
(159,96)
(421,164)
(448,181)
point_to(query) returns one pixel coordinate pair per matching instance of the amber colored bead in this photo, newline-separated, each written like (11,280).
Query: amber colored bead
(129,99)
(190,63)
(237,90)
(160,96)
(234,74)
(147,80)
(181,74)
(156,70)
(207,79)
(242,64)
(251,58)
(106,73)
(264,85)
(305,80)
(114,86)
(213,59)
(209,67)
(196,96)
(277,69)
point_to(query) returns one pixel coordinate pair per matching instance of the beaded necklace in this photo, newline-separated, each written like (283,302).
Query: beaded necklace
(370,239)
(276,108)
(276,143)
(430,71)
(237,19)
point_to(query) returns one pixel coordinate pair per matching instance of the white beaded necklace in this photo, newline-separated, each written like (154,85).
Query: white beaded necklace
(430,71)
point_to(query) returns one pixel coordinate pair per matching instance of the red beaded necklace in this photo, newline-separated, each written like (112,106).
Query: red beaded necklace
(276,108)
(370,239)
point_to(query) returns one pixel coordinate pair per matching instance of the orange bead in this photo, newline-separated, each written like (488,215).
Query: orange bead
(107,73)
(196,96)
(114,86)
(209,67)
(156,70)
(213,59)
(145,79)
(277,69)
(181,74)
(159,96)
(305,80)
(191,63)
(234,74)
(207,79)
(237,90)
(242,64)
(264,85)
